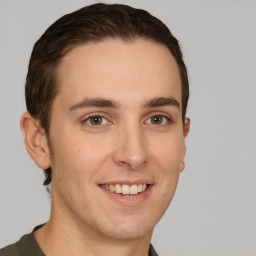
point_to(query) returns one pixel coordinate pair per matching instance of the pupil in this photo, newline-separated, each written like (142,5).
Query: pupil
(157,120)
(96,120)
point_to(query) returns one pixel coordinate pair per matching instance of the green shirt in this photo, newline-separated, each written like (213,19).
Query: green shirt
(27,246)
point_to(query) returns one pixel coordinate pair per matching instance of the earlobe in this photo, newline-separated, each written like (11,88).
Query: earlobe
(35,140)
(182,165)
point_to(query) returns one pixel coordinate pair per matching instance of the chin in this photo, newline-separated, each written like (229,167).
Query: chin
(128,230)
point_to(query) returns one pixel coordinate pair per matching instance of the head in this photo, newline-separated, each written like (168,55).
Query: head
(90,24)
(107,92)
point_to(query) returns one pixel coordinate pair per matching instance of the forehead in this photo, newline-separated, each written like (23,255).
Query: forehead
(126,68)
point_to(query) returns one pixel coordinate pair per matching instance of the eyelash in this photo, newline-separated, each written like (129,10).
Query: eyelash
(167,121)
(92,116)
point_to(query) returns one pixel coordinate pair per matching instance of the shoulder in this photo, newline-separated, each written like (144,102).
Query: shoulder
(16,248)
(152,251)
(27,245)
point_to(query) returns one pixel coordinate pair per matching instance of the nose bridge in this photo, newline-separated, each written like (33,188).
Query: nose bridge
(131,145)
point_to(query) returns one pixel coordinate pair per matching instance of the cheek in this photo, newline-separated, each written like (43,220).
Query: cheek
(79,156)
(77,162)
(166,159)
(167,153)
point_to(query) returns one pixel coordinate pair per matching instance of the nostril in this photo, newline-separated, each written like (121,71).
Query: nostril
(123,163)
(133,165)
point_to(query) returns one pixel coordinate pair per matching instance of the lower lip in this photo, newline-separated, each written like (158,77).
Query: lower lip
(129,199)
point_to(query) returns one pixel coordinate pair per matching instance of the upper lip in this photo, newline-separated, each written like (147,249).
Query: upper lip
(128,182)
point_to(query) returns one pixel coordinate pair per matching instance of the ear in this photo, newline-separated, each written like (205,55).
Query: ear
(185,132)
(35,141)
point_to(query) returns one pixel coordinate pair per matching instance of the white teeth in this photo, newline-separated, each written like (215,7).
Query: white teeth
(134,189)
(126,189)
(118,189)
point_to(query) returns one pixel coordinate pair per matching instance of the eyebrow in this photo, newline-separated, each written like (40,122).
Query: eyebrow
(97,102)
(106,103)
(161,102)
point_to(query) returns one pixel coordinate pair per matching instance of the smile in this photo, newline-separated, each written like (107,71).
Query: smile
(125,189)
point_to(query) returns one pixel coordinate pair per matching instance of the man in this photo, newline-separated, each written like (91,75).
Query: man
(106,95)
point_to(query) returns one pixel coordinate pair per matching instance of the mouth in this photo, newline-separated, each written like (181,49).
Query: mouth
(125,189)
(128,193)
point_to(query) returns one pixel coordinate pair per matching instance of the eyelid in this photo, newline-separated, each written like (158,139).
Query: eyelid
(166,120)
(95,114)
(162,114)
(105,116)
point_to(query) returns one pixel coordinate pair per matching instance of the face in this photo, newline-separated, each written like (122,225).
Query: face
(117,137)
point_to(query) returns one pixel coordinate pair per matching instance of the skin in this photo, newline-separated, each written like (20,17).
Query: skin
(127,146)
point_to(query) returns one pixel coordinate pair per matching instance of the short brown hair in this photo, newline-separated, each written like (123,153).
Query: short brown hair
(93,23)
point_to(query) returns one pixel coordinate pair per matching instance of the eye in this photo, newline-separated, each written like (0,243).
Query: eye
(96,120)
(158,120)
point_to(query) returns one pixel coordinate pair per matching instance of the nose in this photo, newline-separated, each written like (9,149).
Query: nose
(130,150)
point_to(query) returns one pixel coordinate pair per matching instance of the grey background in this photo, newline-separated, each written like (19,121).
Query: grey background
(214,209)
